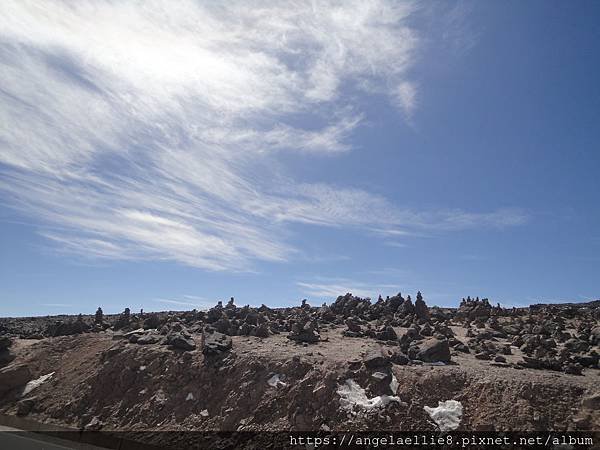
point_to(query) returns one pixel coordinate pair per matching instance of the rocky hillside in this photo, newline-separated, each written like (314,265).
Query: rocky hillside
(354,365)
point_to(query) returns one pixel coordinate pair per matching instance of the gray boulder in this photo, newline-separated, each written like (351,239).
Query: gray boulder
(375,359)
(261,331)
(434,350)
(215,343)
(181,342)
(304,333)
(149,339)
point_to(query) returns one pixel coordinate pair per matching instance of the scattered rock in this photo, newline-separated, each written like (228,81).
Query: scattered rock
(434,350)
(99,317)
(181,342)
(304,331)
(483,355)
(152,321)
(62,328)
(94,425)
(215,343)
(13,376)
(25,406)
(261,331)
(421,310)
(573,369)
(375,359)
(148,339)
(123,321)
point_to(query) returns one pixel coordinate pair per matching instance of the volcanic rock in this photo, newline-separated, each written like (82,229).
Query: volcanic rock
(379,383)
(576,345)
(5,342)
(94,425)
(349,305)
(387,334)
(421,310)
(434,350)
(13,376)
(483,355)
(326,314)
(99,317)
(407,307)
(261,331)
(353,325)
(573,369)
(595,336)
(375,359)
(149,338)
(123,321)
(152,321)
(426,330)
(61,328)
(215,343)
(5,355)
(181,341)
(399,358)
(25,406)
(393,303)
(304,331)
(215,313)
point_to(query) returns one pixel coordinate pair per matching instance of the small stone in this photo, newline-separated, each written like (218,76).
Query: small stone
(379,376)
(94,425)
(573,369)
(354,364)
(375,359)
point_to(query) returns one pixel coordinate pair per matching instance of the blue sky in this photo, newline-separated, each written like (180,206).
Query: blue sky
(167,156)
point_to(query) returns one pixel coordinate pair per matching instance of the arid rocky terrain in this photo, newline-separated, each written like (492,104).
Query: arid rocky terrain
(352,365)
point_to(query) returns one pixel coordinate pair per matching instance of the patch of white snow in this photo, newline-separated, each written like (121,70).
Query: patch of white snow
(446,415)
(353,396)
(275,381)
(34,384)
(394,384)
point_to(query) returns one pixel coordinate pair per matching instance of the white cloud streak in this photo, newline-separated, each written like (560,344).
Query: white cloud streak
(331,289)
(198,305)
(151,131)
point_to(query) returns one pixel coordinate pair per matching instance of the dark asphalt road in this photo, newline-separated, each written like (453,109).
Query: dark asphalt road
(13,439)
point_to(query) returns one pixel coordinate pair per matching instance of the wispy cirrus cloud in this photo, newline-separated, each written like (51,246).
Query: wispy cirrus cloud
(187,301)
(330,289)
(153,132)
